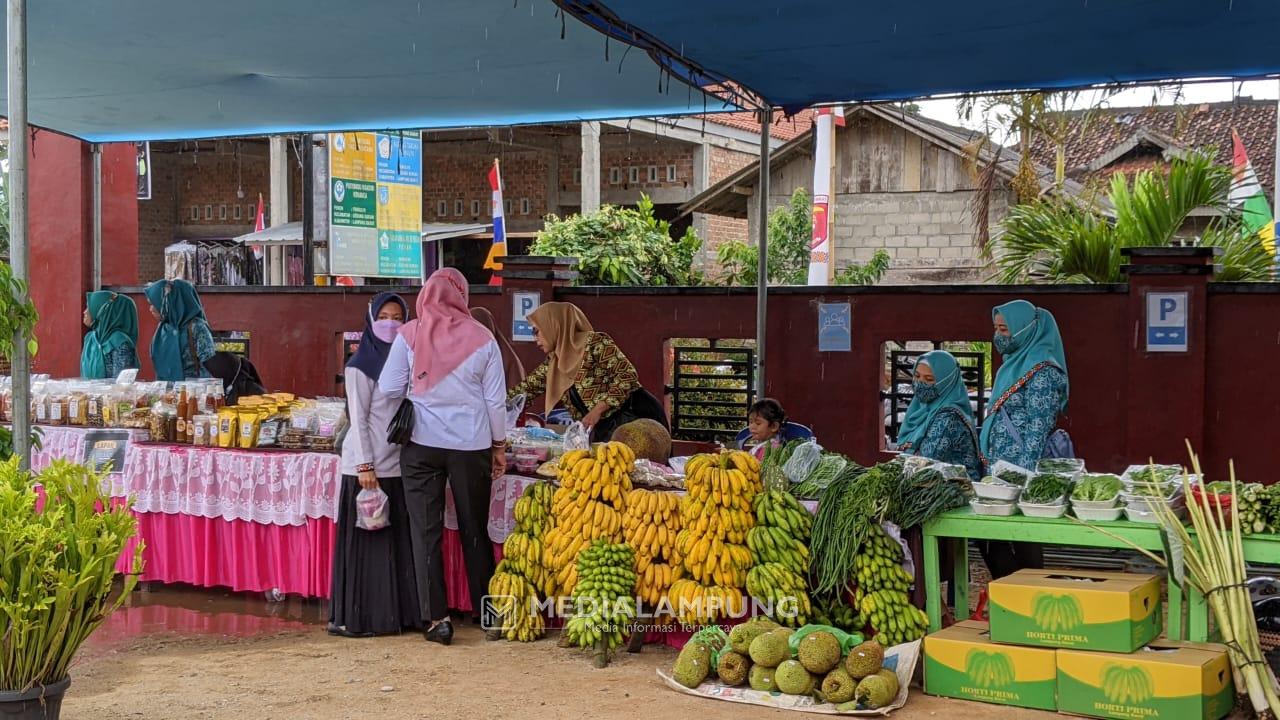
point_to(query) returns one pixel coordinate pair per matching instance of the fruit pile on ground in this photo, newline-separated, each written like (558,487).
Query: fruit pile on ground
(650,525)
(761,654)
(715,516)
(604,604)
(780,556)
(520,576)
(882,591)
(586,507)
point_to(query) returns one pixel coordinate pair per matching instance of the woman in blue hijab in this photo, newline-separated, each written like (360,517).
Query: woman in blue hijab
(939,422)
(182,341)
(111,345)
(1029,392)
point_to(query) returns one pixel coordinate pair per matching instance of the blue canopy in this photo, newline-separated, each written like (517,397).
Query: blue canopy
(155,69)
(797,53)
(174,69)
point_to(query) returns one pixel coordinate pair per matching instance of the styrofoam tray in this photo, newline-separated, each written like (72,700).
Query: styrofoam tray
(1048,510)
(997,491)
(1112,513)
(997,509)
(1138,516)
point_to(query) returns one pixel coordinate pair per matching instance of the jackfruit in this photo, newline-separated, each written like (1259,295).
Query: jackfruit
(864,660)
(793,679)
(733,668)
(761,678)
(740,636)
(819,652)
(876,691)
(838,687)
(693,664)
(769,649)
(646,438)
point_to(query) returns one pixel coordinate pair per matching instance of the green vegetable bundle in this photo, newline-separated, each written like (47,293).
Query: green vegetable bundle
(1096,488)
(849,507)
(1157,474)
(1045,488)
(828,469)
(1012,477)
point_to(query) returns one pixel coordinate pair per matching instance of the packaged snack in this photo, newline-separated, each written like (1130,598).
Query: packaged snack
(228,427)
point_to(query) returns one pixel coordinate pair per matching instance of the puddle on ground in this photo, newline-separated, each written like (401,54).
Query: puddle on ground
(176,612)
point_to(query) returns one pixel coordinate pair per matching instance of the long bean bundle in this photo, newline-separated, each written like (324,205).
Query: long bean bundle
(850,506)
(924,496)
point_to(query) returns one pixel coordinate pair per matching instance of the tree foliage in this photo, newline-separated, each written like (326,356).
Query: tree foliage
(621,246)
(1065,241)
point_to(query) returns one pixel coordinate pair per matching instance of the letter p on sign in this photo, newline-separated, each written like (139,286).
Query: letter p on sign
(1167,314)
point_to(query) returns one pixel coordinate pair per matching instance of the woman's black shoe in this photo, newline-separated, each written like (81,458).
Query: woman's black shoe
(339,631)
(441,633)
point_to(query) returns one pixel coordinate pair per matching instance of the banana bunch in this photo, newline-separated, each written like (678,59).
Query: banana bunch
(882,591)
(773,544)
(515,598)
(696,604)
(650,525)
(532,511)
(835,613)
(781,509)
(523,554)
(716,516)
(586,507)
(603,599)
(784,591)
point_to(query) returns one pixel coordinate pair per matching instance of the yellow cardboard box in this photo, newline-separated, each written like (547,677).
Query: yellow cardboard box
(962,662)
(1163,681)
(1106,611)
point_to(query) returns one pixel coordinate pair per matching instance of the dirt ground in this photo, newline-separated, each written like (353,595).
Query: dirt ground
(285,669)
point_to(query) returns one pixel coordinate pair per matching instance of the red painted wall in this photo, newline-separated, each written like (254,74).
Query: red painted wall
(119,215)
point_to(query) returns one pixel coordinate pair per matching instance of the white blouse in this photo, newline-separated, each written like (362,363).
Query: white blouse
(465,411)
(371,411)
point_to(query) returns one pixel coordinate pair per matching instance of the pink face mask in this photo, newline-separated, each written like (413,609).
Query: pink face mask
(385,330)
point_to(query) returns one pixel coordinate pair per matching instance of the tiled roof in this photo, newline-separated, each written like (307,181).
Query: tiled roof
(781,127)
(1093,134)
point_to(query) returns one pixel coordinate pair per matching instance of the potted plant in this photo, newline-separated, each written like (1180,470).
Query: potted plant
(58,552)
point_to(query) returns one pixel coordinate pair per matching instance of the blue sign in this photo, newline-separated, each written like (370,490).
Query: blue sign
(1167,314)
(523,303)
(399,158)
(835,327)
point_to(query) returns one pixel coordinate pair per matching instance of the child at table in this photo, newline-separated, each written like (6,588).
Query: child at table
(764,421)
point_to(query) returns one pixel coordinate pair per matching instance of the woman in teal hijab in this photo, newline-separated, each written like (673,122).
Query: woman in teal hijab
(182,342)
(1029,392)
(111,345)
(939,422)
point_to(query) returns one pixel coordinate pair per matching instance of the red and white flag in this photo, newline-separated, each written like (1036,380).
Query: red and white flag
(499,247)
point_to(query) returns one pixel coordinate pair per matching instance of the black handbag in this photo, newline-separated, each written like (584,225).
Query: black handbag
(400,431)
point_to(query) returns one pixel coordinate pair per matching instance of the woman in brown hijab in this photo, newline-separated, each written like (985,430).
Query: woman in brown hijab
(510,361)
(586,371)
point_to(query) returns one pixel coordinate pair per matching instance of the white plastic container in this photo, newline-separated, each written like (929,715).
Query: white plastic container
(1043,511)
(1138,516)
(1097,514)
(997,491)
(1095,504)
(1145,504)
(992,508)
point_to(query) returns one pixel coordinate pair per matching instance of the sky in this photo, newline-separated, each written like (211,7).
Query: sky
(946,110)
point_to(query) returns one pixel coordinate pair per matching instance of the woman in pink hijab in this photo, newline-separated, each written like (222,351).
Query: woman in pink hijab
(450,367)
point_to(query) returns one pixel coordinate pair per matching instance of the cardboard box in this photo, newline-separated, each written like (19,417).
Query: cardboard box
(962,662)
(1166,680)
(1109,612)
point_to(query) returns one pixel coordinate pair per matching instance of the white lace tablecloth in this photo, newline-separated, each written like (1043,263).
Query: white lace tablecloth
(67,443)
(272,488)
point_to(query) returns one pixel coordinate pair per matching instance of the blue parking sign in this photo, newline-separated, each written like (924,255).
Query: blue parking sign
(1167,314)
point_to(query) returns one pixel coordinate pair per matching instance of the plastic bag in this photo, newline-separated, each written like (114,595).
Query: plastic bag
(515,408)
(372,509)
(577,438)
(1005,472)
(802,461)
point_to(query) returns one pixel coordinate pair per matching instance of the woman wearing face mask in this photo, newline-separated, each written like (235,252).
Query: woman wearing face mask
(374,586)
(939,422)
(111,345)
(1029,392)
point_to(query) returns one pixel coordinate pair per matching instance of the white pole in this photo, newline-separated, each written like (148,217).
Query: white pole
(762,267)
(96,149)
(16,20)
(279,183)
(824,160)
(590,164)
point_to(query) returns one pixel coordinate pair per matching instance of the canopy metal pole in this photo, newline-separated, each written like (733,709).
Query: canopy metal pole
(762,268)
(96,150)
(16,21)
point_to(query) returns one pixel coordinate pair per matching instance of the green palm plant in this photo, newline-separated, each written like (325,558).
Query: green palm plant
(1064,240)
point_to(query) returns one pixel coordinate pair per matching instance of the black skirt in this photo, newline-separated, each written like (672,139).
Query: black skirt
(374,590)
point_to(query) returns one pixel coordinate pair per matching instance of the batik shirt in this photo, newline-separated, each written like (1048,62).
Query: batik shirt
(122,358)
(950,439)
(1033,412)
(605,375)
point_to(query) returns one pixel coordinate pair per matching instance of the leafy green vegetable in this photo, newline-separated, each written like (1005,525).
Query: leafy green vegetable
(1158,474)
(1060,466)
(1013,477)
(1097,488)
(1154,491)
(1046,487)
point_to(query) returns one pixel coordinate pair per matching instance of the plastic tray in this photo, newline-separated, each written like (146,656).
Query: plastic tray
(1096,514)
(1096,504)
(1044,511)
(1138,516)
(998,509)
(997,491)
(1142,503)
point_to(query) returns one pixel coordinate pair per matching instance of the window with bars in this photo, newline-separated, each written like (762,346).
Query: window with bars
(710,387)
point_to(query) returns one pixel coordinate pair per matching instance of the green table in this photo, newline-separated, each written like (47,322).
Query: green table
(965,525)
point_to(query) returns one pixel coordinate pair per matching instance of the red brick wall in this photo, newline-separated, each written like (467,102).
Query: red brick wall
(459,171)
(721,229)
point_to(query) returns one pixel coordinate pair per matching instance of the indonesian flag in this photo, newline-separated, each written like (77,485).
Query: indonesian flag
(1247,196)
(499,247)
(259,224)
